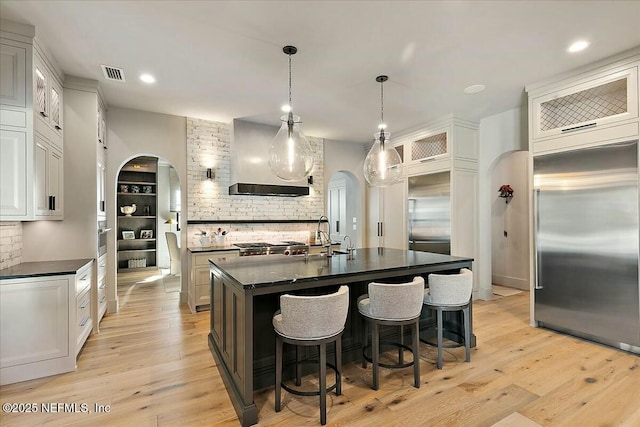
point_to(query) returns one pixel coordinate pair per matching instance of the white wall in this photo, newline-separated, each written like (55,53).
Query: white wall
(510,253)
(499,134)
(132,133)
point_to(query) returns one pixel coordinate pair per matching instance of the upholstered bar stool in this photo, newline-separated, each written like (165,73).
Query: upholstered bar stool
(392,305)
(311,321)
(450,292)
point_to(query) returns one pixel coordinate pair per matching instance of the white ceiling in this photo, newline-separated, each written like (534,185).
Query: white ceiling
(224,60)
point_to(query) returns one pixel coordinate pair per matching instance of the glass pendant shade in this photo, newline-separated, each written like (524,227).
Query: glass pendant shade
(382,166)
(290,154)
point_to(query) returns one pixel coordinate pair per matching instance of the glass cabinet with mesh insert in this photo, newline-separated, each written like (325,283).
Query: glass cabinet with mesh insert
(593,103)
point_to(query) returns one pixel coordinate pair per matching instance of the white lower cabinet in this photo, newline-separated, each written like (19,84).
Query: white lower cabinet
(199,297)
(43,324)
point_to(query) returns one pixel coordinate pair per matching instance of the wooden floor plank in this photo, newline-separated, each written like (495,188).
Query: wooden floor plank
(151,364)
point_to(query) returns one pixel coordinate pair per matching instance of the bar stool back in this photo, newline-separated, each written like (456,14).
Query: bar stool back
(450,292)
(311,321)
(397,305)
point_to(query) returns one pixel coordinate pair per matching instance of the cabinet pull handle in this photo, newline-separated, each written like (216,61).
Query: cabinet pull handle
(84,321)
(50,203)
(58,127)
(382,229)
(54,203)
(83,278)
(101,205)
(536,255)
(43,114)
(430,159)
(103,299)
(337,226)
(102,286)
(82,307)
(575,128)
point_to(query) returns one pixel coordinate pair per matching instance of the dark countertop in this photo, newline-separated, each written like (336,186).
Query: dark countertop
(260,271)
(44,268)
(198,249)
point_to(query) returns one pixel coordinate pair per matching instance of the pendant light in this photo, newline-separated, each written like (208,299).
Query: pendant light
(290,154)
(382,166)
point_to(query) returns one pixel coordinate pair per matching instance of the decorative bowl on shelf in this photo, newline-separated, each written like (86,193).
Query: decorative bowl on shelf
(128,210)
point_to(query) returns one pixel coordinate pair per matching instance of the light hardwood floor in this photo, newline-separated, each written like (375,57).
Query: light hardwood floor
(151,365)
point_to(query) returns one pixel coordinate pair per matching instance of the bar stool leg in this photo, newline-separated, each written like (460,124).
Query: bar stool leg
(440,326)
(323,383)
(375,350)
(467,334)
(416,356)
(339,366)
(298,366)
(278,372)
(365,341)
(401,349)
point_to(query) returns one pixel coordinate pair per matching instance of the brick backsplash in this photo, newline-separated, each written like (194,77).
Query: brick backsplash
(10,244)
(208,145)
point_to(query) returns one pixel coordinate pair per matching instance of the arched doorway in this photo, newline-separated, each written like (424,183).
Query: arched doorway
(147,211)
(344,207)
(510,222)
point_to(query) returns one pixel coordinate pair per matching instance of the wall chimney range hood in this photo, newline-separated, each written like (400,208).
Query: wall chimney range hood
(241,189)
(250,172)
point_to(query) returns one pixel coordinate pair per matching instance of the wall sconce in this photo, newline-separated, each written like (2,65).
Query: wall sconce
(210,173)
(310,180)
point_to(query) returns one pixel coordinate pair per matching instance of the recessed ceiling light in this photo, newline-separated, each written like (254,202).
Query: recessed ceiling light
(474,89)
(147,78)
(578,46)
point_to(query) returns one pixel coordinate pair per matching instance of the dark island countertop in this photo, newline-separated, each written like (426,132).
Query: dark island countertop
(254,272)
(198,249)
(44,268)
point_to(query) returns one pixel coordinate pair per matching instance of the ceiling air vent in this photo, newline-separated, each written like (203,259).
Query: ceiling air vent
(113,73)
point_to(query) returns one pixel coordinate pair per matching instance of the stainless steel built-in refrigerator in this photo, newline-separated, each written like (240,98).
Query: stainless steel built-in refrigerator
(587,244)
(429,213)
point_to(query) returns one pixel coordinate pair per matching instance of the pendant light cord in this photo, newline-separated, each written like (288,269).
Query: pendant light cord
(290,106)
(381,103)
(382,138)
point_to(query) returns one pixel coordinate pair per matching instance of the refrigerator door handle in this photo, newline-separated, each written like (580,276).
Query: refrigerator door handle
(536,258)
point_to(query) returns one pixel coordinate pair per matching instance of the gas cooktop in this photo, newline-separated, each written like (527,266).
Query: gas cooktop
(287,247)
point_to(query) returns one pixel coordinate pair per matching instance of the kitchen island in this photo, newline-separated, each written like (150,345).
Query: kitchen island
(245,294)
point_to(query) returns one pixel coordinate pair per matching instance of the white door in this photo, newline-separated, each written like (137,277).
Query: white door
(41,173)
(374,217)
(56,182)
(338,212)
(394,213)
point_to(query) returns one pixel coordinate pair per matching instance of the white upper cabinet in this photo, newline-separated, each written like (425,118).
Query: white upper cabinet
(590,108)
(47,101)
(14,76)
(31,122)
(430,147)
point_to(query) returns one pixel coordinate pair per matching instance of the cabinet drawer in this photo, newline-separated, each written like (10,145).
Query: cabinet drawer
(83,281)
(203,293)
(202,259)
(102,266)
(102,291)
(83,310)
